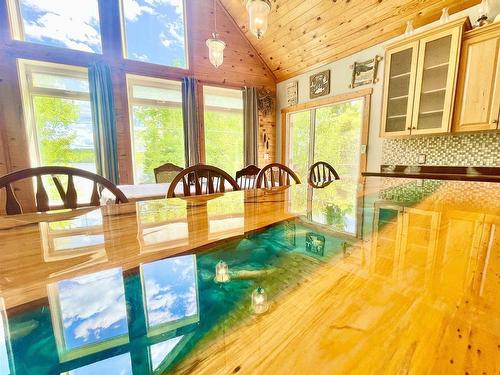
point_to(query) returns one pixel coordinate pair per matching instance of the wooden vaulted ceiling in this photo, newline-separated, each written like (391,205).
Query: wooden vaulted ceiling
(304,34)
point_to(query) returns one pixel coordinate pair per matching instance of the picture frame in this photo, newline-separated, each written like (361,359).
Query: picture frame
(319,84)
(292,93)
(365,72)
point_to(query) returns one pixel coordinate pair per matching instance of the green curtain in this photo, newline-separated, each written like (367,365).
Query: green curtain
(104,121)
(250,125)
(190,117)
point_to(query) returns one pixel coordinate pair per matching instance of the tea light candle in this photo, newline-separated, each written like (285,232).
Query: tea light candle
(222,272)
(259,301)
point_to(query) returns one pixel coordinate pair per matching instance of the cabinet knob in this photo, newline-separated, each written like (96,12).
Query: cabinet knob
(494,122)
(408,128)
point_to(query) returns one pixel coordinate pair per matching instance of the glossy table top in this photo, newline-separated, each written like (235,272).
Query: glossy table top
(388,276)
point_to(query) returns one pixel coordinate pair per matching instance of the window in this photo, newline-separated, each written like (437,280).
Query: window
(70,24)
(154,31)
(157,125)
(333,134)
(224,128)
(58,114)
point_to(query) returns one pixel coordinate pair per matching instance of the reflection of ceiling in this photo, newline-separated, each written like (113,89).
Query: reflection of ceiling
(307,34)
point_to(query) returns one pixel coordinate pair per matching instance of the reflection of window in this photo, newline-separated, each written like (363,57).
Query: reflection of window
(170,293)
(225,216)
(70,24)
(154,32)
(120,364)
(5,349)
(224,128)
(79,236)
(157,125)
(160,353)
(89,313)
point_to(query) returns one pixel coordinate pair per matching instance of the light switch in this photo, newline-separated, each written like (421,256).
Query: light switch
(421,158)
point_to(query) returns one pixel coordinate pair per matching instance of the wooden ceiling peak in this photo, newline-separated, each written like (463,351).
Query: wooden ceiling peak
(303,35)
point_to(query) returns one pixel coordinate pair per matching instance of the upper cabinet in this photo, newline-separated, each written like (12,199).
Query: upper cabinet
(478,92)
(420,81)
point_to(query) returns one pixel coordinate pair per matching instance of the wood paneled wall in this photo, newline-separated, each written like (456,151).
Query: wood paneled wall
(242,67)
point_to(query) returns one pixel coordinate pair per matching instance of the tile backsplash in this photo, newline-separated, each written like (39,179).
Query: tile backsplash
(478,149)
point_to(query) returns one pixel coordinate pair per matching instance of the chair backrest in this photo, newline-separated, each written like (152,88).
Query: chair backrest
(322,174)
(166,172)
(276,174)
(247,177)
(201,180)
(68,196)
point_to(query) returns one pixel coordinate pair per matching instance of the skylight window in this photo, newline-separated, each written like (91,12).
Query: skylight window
(59,23)
(155,32)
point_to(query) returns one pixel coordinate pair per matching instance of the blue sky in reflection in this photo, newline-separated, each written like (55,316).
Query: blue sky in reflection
(4,360)
(119,365)
(93,308)
(170,289)
(161,350)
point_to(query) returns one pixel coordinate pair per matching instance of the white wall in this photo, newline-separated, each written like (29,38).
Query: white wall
(341,78)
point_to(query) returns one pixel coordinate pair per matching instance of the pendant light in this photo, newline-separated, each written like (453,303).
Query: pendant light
(215,45)
(258,10)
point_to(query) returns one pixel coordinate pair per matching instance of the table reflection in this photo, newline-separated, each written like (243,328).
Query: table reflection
(88,313)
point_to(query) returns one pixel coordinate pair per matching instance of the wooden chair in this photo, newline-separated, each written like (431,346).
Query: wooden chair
(68,196)
(322,174)
(166,172)
(201,180)
(275,174)
(247,177)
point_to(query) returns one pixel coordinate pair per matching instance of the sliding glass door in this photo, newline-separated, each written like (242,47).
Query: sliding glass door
(333,134)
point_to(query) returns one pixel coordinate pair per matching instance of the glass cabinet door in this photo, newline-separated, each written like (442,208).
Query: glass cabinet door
(436,77)
(399,90)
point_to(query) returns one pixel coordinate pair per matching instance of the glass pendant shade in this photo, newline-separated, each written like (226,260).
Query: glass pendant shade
(259,301)
(216,50)
(258,11)
(222,272)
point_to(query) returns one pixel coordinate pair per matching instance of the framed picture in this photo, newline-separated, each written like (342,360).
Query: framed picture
(292,93)
(319,84)
(365,72)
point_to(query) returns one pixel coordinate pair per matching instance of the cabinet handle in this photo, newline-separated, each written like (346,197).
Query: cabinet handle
(414,128)
(494,122)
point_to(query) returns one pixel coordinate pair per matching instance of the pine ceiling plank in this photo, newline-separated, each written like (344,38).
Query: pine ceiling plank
(365,41)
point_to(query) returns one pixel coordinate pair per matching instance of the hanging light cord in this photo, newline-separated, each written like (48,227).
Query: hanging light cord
(215,18)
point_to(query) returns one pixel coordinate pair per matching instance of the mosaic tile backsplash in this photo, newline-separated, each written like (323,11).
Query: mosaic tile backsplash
(478,150)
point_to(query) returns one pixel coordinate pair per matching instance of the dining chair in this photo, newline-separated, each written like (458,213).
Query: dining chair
(201,179)
(276,174)
(69,196)
(247,177)
(322,174)
(166,172)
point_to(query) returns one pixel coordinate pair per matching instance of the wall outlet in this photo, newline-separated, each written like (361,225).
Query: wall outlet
(421,158)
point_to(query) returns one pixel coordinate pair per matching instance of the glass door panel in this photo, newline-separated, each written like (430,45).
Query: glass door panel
(400,80)
(300,139)
(434,93)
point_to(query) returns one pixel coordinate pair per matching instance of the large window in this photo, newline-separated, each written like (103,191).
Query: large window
(157,125)
(58,114)
(224,128)
(70,24)
(155,32)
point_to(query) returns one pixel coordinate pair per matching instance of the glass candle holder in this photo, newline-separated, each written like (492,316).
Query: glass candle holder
(222,272)
(260,303)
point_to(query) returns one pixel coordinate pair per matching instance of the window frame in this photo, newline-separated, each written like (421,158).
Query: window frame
(16,27)
(134,79)
(124,45)
(26,68)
